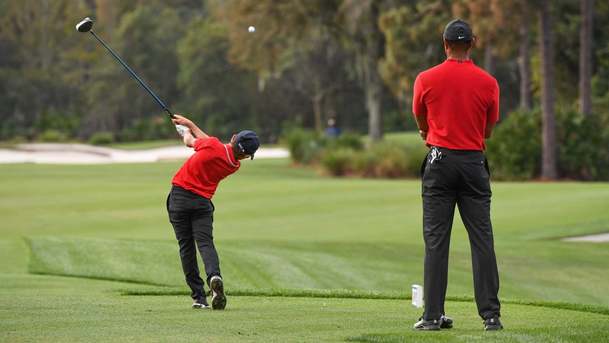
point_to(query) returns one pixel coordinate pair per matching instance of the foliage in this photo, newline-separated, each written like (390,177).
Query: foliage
(339,162)
(304,145)
(347,156)
(307,61)
(407,28)
(102,138)
(53,120)
(347,141)
(390,160)
(583,152)
(146,38)
(308,147)
(514,151)
(209,84)
(147,129)
(38,65)
(52,136)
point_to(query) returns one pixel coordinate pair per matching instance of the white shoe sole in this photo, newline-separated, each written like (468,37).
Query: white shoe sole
(218,299)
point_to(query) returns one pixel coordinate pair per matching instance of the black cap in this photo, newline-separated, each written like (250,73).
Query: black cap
(458,30)
(247,142)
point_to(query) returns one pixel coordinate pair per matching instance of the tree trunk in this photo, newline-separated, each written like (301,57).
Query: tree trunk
(372,80)
(585,56)
(373,103)
(318,98)
(548,163)
(489,58)
(524,66)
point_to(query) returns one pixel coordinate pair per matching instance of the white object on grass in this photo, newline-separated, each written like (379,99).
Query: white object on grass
(251,29)
(182,130)
(417,296)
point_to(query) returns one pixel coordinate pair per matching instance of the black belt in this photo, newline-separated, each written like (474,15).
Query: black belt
(456,151)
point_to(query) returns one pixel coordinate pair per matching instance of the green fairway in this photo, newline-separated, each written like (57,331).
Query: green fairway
(67,310)
(306,258)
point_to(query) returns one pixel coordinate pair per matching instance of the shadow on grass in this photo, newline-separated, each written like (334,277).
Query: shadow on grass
(92,277)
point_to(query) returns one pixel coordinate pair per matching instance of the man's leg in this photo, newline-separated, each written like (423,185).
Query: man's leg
(439,199)
(438,215)
(181,222)
(474,201)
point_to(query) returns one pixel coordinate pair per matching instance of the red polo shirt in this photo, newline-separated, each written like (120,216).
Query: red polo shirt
(459,99)
(203,171)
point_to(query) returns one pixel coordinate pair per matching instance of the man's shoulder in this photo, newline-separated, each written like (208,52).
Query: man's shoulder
(485,75)
(431,71)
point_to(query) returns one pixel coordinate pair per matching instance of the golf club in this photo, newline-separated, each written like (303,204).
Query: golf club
(86,25)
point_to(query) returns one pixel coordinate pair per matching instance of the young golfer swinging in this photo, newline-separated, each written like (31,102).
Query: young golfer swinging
(190,207)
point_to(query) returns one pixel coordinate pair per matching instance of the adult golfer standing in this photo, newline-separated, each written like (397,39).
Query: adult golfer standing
(191,209)
(456,105)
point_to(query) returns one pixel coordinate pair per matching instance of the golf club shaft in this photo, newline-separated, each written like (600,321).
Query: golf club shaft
(137,78)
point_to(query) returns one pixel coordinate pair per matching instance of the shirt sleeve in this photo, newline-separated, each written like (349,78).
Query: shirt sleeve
(418,104)
(202,143)
(493,110)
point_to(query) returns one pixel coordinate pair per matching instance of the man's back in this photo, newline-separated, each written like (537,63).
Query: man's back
(211,162)
(459,100)
(456,105)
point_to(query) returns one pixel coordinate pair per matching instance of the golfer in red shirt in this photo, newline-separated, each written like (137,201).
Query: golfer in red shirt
(456,105)
(191,209)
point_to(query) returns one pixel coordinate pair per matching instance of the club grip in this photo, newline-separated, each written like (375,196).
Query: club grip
(171,115)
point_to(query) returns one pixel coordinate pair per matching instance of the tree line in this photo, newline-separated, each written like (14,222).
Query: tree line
(306,62)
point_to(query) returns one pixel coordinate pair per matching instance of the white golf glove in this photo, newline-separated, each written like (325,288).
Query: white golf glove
(182,130)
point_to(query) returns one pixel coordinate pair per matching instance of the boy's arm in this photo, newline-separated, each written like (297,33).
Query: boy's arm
(188,138)
(195,131)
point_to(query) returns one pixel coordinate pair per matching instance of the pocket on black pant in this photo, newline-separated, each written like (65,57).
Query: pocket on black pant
(423,165)
(488,170)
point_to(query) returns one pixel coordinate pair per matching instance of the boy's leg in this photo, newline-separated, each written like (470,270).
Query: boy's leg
(181,222)
(202,225)
(203,231)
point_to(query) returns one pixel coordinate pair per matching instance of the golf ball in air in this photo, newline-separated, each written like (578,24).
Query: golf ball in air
(251,29)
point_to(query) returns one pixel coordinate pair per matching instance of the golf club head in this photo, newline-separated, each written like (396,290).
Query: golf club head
(85,25)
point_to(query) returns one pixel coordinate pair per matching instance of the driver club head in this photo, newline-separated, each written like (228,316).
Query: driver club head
(85,25)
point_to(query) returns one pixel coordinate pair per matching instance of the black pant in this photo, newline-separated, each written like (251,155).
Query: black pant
(192,218)
(458,177)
